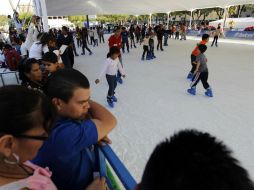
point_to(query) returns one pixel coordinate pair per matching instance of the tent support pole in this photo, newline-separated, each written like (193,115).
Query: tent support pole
(150,19)
(44,16)
(87,21)
(191,18)
(168,13)
(225,16)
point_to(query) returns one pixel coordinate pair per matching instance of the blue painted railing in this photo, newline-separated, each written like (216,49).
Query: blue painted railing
(106,153)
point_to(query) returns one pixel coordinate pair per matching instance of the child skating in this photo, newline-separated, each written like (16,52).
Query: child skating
(201,73)
(110,68)
(195,53)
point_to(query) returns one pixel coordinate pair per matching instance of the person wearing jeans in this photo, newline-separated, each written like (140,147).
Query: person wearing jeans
(110,68)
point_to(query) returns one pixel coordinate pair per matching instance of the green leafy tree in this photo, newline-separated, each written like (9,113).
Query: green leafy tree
(26,16)
(219,12)
(3,20)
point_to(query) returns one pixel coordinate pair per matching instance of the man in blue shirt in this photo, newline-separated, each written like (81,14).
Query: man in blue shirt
(67,151)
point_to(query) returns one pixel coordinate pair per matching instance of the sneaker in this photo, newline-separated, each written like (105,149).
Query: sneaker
(142,58)
(91,53)
(192,91)
(114,99)
(209,92)
(76,55)
(83,54)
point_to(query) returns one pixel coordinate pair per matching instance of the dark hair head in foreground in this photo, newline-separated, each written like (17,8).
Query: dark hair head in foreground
(64,82)
(22,109)
(192,160)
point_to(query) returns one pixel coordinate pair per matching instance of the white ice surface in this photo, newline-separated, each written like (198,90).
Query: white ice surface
(153,103)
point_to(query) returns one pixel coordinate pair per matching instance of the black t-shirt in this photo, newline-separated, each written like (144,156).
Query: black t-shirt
(62,40)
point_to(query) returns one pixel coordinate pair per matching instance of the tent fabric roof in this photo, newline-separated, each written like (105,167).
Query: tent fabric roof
(134,7)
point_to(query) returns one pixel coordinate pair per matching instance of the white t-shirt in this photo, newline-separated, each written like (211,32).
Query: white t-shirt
(110,67)
(36,50)
(57,52)
(31,36)
(96,36)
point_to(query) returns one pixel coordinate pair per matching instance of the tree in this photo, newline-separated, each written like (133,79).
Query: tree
(240,9)
(26,16)
(3,20)
(206,12)
(219,12)
(198,13)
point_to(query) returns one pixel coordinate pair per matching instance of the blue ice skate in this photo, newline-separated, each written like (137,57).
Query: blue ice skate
(114,99)
(190,76)
(192,91)
(120,80)
(110,102)
(209,92)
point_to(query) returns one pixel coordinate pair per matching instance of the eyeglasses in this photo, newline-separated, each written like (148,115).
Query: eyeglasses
(40,138)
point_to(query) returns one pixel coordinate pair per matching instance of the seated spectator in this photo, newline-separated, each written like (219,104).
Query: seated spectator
(192,160)
(50,61)
(12,57)
(22,132)
(30,74)
(68,149)
(2,57)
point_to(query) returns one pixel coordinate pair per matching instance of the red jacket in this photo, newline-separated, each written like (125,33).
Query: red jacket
(114,41)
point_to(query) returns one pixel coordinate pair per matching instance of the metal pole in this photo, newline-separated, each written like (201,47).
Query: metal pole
(168,20)
(225,16)
(191,18)
(87,21)
(44,16)
(137,19)
(150,19)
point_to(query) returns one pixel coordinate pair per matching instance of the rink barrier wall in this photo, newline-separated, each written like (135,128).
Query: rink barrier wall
(228,34)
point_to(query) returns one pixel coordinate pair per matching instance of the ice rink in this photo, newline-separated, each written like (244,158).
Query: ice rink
(153,103)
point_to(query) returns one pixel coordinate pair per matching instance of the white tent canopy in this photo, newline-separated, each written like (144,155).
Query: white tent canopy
(95,7)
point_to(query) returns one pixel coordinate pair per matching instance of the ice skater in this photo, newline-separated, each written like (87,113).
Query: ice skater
(195,53)
(217,34)
(110,68)
(201,73)
(146,48)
